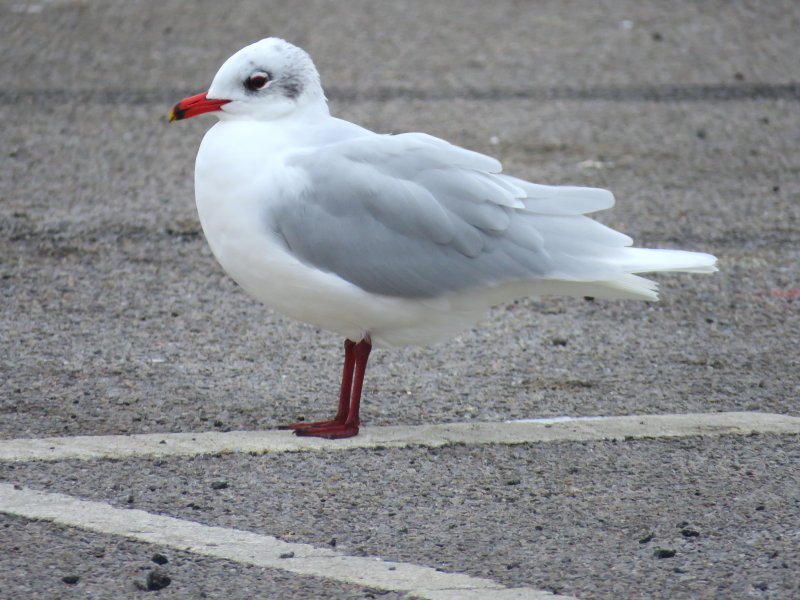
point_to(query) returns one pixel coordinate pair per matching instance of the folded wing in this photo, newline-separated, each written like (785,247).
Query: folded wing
(413,216)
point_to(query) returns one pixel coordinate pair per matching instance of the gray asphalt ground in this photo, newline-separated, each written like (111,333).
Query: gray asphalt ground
(116,319)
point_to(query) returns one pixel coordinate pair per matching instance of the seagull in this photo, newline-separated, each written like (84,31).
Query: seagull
(387,240)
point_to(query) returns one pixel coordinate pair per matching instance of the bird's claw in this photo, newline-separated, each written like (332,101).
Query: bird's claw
(330,430)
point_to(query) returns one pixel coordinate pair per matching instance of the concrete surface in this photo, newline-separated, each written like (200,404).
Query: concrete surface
(580,519)
(116,320)
(111,567)
(247,547)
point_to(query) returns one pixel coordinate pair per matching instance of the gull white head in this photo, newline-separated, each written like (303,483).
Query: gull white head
(267,80)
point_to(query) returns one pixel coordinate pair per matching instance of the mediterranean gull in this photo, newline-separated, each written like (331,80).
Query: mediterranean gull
(387,240)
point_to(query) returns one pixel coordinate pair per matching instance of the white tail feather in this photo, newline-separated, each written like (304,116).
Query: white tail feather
(644,260)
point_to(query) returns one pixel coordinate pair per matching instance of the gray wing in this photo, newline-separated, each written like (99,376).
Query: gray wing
(413,216)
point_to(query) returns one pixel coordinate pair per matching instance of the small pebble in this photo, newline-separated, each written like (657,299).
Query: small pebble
(664,553)
(159,559)
(688,532)
(157,580)
(71,579)
(287,555)
(219,485)
(648,538)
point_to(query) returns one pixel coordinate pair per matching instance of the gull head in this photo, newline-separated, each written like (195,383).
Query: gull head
(267,80)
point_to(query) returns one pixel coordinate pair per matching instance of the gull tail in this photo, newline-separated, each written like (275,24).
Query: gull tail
(628,284)
(643,260)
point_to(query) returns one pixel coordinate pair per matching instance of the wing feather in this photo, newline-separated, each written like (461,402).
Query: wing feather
(414,216)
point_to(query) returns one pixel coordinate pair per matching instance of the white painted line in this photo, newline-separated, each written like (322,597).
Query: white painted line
(515,432)
(255,549)
(550,420)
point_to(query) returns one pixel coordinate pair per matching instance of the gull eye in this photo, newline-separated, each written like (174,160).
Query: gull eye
(257,81)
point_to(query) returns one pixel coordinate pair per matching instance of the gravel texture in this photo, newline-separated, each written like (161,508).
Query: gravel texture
(682,519)
(84,565)
(115,318)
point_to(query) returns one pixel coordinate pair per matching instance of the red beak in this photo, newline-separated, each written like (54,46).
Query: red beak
(193,106)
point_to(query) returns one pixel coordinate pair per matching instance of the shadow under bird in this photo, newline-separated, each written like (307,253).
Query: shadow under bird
(387,240)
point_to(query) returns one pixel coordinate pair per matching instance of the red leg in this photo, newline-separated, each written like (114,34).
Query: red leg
(349,426)
(363,348)
(344,393)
